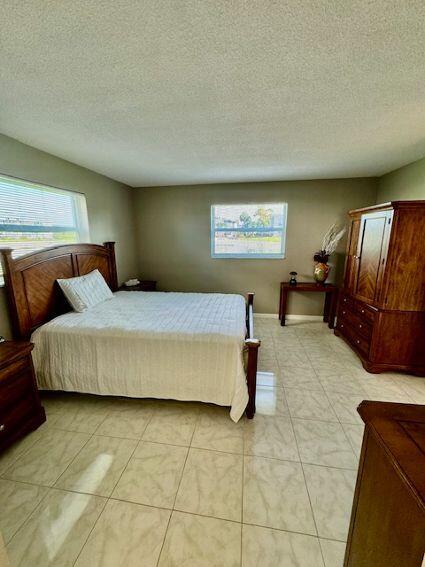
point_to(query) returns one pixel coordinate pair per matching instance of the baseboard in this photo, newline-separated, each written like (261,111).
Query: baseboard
(290,317)
(305,317)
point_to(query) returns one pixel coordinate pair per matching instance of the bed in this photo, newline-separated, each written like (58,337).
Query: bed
(183,346)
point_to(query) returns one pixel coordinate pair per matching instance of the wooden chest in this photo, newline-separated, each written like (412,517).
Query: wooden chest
(20,407)
(388,517)
(381,310)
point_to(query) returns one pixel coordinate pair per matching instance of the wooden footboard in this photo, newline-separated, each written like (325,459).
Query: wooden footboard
(252,345)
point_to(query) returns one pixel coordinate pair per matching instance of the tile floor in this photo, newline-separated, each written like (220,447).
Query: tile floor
(117,482)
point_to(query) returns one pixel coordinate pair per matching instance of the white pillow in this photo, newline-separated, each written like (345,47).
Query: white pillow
(86,291)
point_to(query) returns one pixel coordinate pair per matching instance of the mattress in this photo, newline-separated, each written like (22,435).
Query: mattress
(182,346)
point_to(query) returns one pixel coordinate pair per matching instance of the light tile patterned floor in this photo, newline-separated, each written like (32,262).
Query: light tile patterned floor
(115,482)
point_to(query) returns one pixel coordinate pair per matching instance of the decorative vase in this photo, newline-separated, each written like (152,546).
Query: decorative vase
(321,272)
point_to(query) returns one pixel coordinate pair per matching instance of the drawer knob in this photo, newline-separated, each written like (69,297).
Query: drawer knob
(2,427)
(357,341)
(360,326)
(362,310)
(345,300)
(341,326)
(343,312)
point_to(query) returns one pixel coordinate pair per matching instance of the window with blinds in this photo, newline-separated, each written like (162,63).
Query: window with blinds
(34,216)
(248,230)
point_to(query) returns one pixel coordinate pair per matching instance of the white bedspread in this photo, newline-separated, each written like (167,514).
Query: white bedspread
(182,346)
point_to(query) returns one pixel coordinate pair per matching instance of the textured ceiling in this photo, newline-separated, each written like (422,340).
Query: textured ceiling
(167,92)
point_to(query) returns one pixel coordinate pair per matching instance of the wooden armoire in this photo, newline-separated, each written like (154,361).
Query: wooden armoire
(381,309)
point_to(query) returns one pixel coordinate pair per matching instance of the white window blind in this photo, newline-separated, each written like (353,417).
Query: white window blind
(35,216)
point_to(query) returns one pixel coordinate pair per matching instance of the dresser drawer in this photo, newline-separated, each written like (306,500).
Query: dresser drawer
(346,301)
(16,387)
(15,417)
(358,324)
(364,329)
(346,328)
(13,369)
(360,343)
(343,326)
(364,311)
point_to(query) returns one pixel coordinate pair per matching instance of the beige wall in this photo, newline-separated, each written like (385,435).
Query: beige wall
(109,203)
(172,225)
(174,236)
(406,183)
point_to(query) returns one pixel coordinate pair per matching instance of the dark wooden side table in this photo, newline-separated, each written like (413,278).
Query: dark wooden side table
(331,299)
(20,407)
(145,285)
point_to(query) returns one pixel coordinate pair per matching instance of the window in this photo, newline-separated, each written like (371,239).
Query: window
(248,231)
(34,216)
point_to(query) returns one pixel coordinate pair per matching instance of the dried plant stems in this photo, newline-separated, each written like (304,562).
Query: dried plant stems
(331,239)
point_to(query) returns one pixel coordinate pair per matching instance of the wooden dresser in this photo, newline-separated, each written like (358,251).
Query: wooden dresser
(20,407)
(388,517)
(381,310)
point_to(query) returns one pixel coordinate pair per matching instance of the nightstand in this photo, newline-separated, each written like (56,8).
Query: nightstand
(20,407)
(146,285)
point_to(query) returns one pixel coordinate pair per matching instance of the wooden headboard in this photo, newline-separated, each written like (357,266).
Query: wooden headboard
(34,296)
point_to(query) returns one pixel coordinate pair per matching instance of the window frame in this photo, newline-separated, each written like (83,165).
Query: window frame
(80,215)
(280,256)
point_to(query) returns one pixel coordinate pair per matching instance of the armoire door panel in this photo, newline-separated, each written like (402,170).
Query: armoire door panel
(351,261)
(372,231)
(380,291)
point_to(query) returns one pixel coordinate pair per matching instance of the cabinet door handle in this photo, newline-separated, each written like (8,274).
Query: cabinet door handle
(357,341)
(341,326)
(345,300)
(362,310)
(2,427)
(360,326)
(343,312)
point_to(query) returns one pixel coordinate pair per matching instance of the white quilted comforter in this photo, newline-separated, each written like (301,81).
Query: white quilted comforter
(183,346)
